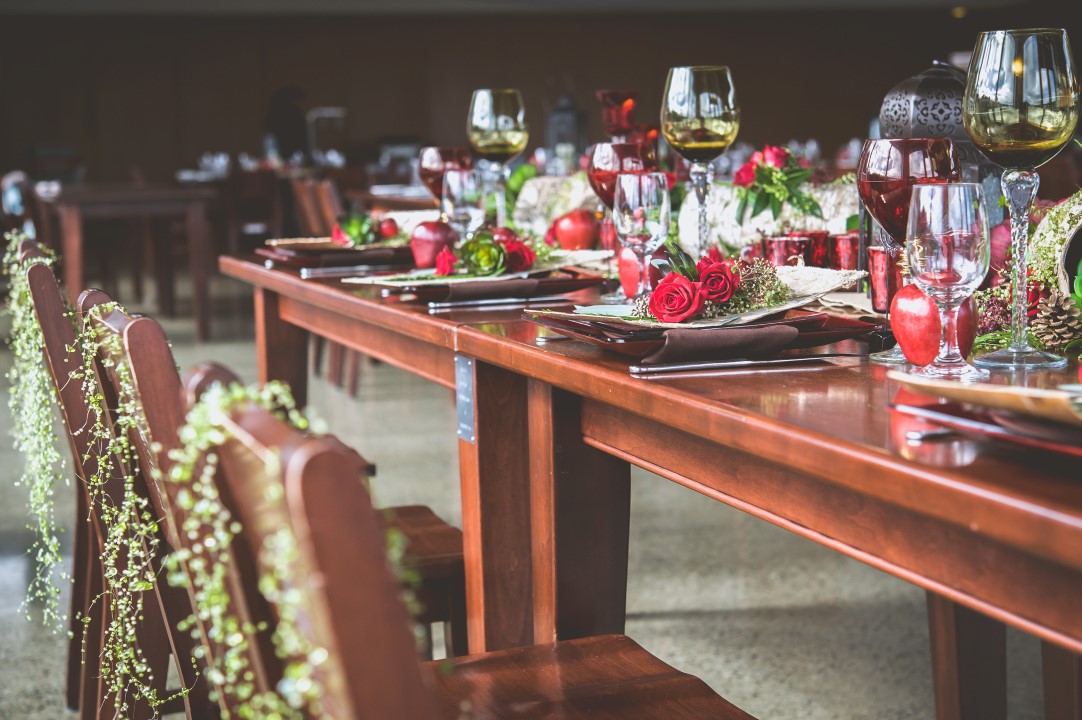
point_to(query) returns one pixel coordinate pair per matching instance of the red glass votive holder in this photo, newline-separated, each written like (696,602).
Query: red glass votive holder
(818,254)
(885,277)
(753,251)
(787,249)
(846,251)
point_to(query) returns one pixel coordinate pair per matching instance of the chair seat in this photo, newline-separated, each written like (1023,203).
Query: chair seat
(434,547)
(598,678)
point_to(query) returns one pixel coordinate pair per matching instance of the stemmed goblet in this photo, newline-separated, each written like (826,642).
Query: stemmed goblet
(886,174)
(497,131)
(463,201)
(433,162)
(700,119)
(1020,108)
(641,214)
(607,161)
(948,249)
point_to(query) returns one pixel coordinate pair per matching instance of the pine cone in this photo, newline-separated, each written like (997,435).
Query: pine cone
(1058,321)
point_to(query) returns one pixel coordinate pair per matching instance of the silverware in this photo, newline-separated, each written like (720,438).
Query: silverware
(498,302)
(640,370)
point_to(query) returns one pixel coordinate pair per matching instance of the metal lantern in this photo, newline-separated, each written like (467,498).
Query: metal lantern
(929,104)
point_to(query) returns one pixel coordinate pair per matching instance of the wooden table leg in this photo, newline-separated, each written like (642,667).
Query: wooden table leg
(494,471)
(281,348)
(969,662)
(71,250)
(1062,683)
(199,252)
(580,515)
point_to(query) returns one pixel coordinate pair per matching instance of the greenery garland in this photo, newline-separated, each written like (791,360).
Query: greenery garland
(31,398)
(130,528)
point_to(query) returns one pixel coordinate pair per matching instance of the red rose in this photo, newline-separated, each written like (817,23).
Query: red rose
(338,237)
(446,262)
(776,156)
(713,255)
(520,256)
(745,176)
(717,281)
(676,299)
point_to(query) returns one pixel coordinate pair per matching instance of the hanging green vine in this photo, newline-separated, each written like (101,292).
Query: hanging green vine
(129,526)
(32,399)
(202,567)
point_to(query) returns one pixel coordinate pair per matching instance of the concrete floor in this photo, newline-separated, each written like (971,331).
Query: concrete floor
(780,626)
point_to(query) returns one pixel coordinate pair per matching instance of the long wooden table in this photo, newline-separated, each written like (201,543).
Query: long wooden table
(548,430)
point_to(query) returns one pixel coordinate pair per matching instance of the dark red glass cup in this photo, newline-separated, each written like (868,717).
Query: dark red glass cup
(846,251)
(434,162)
(885,277)
(607,160)
(618,111)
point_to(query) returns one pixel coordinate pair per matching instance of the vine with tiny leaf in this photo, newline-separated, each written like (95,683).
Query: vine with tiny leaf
(31,399)
(201,567)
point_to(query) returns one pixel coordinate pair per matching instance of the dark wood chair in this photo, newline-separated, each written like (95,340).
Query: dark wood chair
(318,209)
(254,207)
(353,609)
(164,607)
(433,546)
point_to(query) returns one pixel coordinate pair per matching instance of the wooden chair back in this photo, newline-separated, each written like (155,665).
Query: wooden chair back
(328,202)
(155,635)
(352,602)
(145,351)
(308,216)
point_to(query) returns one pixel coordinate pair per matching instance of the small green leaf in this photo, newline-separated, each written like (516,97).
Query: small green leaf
(851,223)
(762,201)
(775,206)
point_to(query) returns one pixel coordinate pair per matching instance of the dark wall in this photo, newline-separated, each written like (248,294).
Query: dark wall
(157,92)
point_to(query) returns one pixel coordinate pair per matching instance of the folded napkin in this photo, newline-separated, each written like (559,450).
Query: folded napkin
(722,343)
(518,288)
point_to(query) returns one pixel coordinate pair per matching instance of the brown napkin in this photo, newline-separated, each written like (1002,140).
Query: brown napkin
(722,343)
(519,288)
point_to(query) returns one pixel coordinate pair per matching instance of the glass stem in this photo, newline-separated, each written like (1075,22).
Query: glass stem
(1020,188)
(645,286)
(702,174)
(948,351)
(500,172)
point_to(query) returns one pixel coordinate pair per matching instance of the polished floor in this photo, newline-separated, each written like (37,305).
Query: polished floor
(782,627)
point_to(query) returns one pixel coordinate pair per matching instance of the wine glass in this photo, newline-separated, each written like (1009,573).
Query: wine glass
(699,119)
(641,215)
(497,131)
(1020,108)
(948,250)
(607,160)
(433,162)
(463,201)
(886,174)
(618,112)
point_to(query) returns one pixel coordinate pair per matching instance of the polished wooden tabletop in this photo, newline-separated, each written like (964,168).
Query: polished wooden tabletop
(813,448)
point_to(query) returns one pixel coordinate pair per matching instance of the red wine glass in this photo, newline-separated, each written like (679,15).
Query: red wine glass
(886,174)
(433,162)
(618,112)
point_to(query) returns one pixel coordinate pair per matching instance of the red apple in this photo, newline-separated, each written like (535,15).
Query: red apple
(914,318)
(428,238)
(629,271)
(388,228)
(577,230)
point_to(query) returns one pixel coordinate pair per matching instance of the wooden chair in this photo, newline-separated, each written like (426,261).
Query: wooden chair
(354,612)
(434,547)
(254,206)
(318,209)
(165,607)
